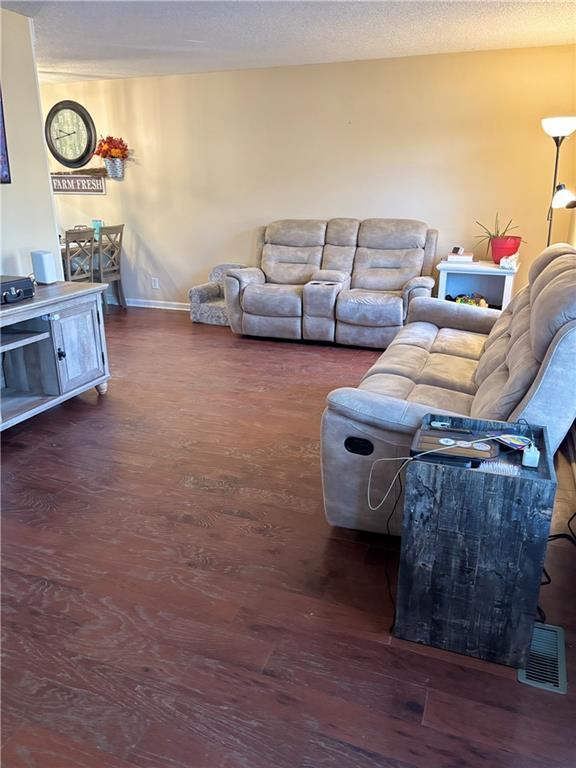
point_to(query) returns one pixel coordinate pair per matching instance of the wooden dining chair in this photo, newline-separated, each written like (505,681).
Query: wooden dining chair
(78,254)
(107,268)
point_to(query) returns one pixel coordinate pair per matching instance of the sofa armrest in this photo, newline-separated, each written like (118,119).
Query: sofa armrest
(430,251)
(449,314)
(416,286)
(246,276)
(199,294)
(330,276)
(234,284)
(380,411)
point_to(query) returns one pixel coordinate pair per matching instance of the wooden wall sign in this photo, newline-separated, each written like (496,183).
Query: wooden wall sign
(78,184)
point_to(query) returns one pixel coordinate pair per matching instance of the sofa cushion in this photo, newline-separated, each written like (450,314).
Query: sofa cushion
(402,360)
(342,232)
(502,390)
(491,359)
(331,276)
(511,324)
(290,265)
(369,308)
(273,327)
(437,398)
(451,341)
(502,326)
(296,232)
(339,257)
(388,384)
(523,334)
(271,300)
(392,233)
(542,277)
(417,334)
(441,399)
(378,337)
(547,256)
(385,412)
(553,303)
(341,241)
(409,369)
(449,372)
(499,329)
(386,270)
(520,323)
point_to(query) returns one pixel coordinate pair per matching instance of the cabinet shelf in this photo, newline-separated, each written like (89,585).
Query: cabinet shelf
(13,340)
(15,402)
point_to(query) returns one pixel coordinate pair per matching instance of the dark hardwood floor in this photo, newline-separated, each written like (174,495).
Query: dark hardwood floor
(173,597)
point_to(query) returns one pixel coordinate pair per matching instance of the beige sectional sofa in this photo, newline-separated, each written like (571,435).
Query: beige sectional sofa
(342,280)
(454,359)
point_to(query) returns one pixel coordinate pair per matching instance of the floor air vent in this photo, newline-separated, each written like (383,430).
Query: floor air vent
(546,666)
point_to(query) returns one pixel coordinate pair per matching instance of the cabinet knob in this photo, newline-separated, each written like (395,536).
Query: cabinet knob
(61,354)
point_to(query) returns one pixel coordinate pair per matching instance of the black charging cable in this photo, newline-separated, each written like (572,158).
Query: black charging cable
(570,536)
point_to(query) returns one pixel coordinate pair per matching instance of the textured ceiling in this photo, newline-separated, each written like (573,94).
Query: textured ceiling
(86,39)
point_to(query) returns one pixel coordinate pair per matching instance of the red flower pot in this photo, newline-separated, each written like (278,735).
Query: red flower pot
(504,246)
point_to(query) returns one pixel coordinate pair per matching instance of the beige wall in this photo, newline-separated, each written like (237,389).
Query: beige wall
(27,210)
(448,139)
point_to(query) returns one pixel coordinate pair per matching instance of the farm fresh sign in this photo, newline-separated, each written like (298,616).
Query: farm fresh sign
(77,184)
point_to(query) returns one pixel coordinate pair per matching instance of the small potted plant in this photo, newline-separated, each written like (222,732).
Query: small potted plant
(114,152)
(499,241)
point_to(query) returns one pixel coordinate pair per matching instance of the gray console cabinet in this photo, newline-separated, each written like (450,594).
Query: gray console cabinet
(53,347)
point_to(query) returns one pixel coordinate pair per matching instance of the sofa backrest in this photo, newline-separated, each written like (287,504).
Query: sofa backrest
(379,254)
(292,250)
(389,253)
(340,246)
(527,369)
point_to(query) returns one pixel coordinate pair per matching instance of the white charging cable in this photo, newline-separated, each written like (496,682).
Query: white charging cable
(406,460)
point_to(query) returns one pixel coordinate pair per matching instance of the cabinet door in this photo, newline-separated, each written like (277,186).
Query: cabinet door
(76,336)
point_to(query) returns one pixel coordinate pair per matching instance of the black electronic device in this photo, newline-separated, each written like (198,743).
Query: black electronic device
(440,443)
(14,289)
(458,250)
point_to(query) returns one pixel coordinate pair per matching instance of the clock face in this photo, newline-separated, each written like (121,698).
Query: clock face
(70,134)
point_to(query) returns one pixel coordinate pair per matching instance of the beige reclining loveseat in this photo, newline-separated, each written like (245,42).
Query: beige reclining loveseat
(454,359)
(340,280)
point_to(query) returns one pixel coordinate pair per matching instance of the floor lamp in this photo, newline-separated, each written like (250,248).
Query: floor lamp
(564,198)
(559,128)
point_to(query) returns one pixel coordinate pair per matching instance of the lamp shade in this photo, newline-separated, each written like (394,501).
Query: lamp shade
(562,197)
(559,126)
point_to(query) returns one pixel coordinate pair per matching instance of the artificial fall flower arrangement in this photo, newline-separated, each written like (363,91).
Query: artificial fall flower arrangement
(112,148)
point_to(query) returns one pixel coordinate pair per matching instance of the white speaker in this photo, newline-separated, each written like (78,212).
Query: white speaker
(44,267)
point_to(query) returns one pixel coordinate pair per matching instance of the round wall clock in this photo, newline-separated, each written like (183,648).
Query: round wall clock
(70,134)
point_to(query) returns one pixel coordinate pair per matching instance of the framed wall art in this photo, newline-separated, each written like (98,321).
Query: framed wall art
(4,164)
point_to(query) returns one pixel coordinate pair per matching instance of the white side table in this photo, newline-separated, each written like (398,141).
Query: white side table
(483,277)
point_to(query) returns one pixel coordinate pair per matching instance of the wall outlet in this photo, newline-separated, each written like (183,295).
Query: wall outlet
(155,283)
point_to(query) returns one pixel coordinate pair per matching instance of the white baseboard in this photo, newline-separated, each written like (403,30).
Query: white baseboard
(178,306)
